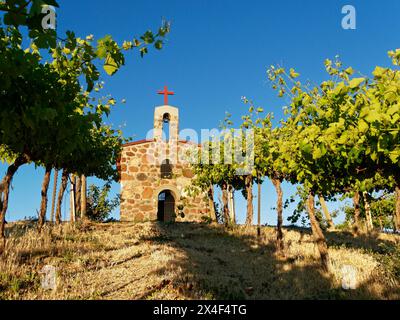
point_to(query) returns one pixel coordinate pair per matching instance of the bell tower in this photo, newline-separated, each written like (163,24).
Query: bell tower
(166,120)
(166,124)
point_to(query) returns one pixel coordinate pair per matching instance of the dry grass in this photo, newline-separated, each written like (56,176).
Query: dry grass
(189,261)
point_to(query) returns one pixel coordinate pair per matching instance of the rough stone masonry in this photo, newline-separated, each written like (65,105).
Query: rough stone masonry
(154,176)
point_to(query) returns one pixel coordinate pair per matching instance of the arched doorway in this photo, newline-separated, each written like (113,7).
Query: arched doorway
(166,206)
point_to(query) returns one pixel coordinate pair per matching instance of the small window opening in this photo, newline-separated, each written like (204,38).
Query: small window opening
(166,169)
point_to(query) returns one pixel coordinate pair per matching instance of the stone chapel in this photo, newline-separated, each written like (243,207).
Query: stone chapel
(154,176)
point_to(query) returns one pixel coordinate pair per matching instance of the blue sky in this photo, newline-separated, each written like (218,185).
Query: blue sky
(217,52)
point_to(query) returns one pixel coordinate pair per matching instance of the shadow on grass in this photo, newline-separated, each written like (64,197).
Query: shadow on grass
(368,241)
(53,241)
(210,262)
(224,265)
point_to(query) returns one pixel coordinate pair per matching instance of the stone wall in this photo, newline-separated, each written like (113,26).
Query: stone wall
(141,182)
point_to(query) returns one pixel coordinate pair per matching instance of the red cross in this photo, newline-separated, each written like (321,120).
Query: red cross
(166,93)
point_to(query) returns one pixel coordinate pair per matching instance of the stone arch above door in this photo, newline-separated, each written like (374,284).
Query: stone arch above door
(174,190)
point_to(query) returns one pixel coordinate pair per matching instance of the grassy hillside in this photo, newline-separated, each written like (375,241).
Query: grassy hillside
(192,261)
